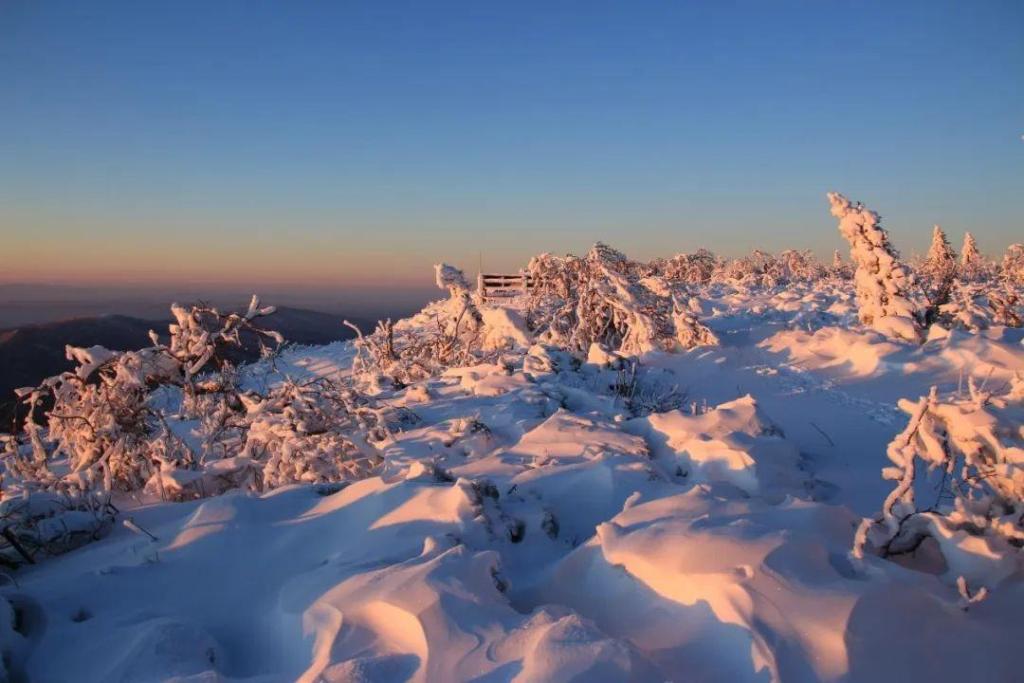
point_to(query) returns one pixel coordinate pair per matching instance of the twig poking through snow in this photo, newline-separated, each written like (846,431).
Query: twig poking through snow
(130,523)
(822,432)
(966,597)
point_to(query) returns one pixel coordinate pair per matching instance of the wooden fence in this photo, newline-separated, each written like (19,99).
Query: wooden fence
(493,286)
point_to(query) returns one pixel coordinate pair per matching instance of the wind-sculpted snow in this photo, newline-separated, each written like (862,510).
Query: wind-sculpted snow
(711,588)
(530,526)
(378,579)
(693,469)
(731,443)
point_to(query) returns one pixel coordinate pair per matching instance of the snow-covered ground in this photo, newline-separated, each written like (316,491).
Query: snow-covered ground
(526,524)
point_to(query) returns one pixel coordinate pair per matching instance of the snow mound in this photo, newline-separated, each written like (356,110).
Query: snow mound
(733,443)
(504,327)
(743,591)
(371,581)
(951,357)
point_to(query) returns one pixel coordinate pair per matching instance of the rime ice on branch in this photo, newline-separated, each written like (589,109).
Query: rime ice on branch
(883,283)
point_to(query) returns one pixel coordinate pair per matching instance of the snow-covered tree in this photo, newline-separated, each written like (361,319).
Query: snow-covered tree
(941,256)
(839,268)
(972,263)
(938,273)
(883,283)
(940,262)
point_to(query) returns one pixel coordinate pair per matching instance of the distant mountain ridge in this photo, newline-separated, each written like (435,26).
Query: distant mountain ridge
(30,353)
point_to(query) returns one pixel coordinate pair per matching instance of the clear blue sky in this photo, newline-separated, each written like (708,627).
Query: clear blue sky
(360,142)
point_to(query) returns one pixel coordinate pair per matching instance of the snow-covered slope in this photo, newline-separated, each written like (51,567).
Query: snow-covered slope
(532,524)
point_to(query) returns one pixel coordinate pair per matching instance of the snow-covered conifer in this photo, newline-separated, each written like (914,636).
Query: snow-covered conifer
(883,283)
(941,259)
(938,273)
(972,263)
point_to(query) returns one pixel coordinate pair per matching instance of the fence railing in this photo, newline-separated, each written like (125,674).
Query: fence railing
(495,286)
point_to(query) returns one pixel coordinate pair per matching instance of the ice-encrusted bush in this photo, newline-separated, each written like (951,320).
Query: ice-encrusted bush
(106,429)
(693,269)
(602,299)
(966,308)
(978,306)
(757,270)
(885,297)
(313,432)
(101,419)
(40,524)
(690,332)
(1011,270)
(799,265)
(1007,306)
(975,445)
(446,333)
(763,270)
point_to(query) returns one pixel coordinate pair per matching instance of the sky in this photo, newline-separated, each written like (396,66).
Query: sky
(349,146)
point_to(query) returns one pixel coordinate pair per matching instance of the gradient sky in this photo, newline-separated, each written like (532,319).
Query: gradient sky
(354,144)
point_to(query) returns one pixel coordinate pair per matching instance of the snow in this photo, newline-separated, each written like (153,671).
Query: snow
(531,510)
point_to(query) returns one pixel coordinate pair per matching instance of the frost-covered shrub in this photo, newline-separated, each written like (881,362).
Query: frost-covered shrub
(800,266)
(40,524)
(1007,306)
(966,308)
(690,332)
(693,269)
(975,445)
(446,333)
(756,271)
(115,423)
(979,306)
(884,285)
(314,432)
(101,419)
(601,299)
(1011,270)
(763,270)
